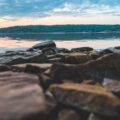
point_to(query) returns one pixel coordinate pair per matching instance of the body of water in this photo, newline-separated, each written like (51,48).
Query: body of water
(23,41)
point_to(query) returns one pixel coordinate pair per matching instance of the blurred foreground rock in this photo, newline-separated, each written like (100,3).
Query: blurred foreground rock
(21,97)
(50,83)
(90,98)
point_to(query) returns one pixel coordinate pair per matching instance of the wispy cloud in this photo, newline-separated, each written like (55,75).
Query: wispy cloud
(12,10)
(44,8)
(86,9)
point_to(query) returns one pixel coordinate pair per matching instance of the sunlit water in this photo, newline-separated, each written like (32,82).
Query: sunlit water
(7,44)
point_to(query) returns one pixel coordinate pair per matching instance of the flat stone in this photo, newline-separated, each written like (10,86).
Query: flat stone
(21,97)
(91,98)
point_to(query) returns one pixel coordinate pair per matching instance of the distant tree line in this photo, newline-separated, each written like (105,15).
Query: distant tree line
(61,28)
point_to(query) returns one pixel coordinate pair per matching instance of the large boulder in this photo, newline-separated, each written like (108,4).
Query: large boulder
(105,66)
(21,97)
(43,45)
(23,57)
(91,98)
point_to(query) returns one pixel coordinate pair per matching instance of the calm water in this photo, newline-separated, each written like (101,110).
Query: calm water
(24,41)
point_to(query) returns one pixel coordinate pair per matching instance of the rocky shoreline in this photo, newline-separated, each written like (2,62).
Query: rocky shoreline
(50,83)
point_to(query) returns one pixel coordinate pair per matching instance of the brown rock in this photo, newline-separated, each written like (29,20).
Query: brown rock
(21,97)
(90,98)
(106,66)
(77,58)
(68,114)
(30,68)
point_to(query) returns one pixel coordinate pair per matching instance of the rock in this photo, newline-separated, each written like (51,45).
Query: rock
(43,45)
(21,97)
(4,68)
(82,49)
(30,68)
(56,58)
(22,57)
(105,66)
(68,114)
(77,58)
(106,51)
(117,47)
(112,85)
(94,55)
(50,51)
(110,50)
(94,117)
(99,117)
(33,59)
(91,98)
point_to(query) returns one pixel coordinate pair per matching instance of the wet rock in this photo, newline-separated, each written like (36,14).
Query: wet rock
(21,97)
(105,66)
(43,45)
(33,59)
(112,85)
(90,98)
(82,49)
(111,50)
(68,114)
(19,57)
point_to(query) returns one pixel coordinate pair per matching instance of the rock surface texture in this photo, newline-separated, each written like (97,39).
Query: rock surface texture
(50,83)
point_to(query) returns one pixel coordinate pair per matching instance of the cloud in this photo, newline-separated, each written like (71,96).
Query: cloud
(45,8)
(86,9)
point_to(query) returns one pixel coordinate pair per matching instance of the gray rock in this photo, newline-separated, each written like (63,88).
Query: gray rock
(112,85)
(40,46)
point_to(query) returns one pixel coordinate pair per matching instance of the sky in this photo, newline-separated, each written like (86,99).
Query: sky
(50,12)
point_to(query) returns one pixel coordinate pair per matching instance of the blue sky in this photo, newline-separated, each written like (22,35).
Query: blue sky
(18,12)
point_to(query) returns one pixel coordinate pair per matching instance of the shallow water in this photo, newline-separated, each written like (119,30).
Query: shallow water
(7,44)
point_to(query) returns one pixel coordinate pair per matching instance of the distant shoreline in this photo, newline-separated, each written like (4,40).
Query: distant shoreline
(63,33)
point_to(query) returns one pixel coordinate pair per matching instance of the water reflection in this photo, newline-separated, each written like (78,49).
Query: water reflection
(61,36)
(12,44)
(22,41)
